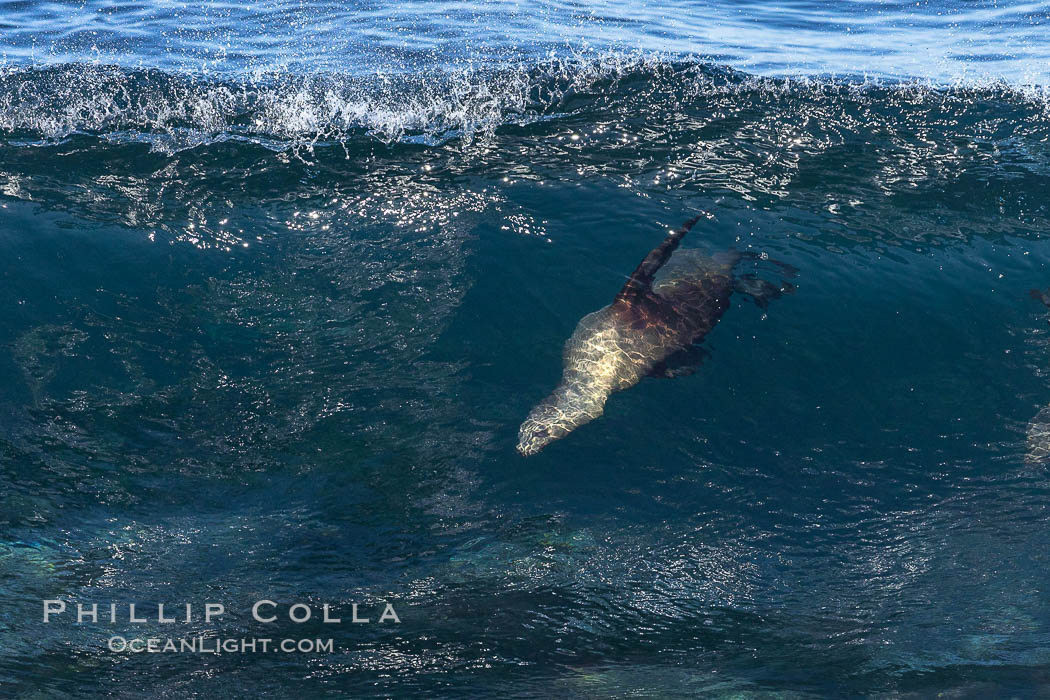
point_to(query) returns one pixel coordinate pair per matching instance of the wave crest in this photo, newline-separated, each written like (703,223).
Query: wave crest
(173,111)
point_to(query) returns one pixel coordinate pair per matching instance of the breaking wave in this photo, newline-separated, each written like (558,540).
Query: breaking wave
(173,111)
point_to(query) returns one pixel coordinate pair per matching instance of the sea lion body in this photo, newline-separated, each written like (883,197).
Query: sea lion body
(652,319)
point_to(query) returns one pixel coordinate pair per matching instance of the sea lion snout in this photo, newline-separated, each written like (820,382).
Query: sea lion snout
(529,443)
(538,431)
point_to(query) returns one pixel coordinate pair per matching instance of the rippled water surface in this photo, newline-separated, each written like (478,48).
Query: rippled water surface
(281,281)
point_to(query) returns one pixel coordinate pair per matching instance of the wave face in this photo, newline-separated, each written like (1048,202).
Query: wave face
(277,295)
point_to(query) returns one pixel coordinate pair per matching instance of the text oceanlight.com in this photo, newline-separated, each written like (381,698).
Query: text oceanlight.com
(205,645)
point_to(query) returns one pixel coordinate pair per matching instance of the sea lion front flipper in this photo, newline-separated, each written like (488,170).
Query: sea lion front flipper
(786,269)
(760,290)
(681,363)
(642,278)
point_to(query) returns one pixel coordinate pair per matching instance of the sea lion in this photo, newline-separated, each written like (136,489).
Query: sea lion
(650,329)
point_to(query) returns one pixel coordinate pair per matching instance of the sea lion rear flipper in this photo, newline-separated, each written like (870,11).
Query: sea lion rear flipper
(760,290)
(681,363)
(1043,297)
(642,278)
(786,269)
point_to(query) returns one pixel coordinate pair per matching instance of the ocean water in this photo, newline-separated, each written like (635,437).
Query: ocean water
(281,280)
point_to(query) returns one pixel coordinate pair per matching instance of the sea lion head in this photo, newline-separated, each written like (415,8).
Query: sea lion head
(545,424)
(571,405)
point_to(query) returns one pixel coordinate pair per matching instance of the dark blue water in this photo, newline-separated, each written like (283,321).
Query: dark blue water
(281,281)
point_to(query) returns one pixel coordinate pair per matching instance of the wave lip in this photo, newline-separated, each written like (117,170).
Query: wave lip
(174,111)
(55,102)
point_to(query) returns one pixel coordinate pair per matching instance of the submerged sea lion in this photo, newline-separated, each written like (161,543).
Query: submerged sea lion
(650,329)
